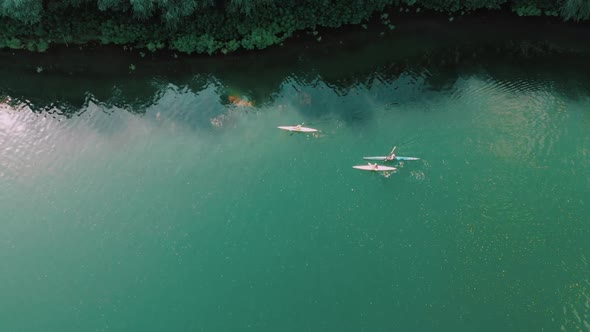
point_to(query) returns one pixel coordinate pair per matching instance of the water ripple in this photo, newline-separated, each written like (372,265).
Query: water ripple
(526,117)
(575,297)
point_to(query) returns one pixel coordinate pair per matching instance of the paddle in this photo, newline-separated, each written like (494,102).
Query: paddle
(391,154)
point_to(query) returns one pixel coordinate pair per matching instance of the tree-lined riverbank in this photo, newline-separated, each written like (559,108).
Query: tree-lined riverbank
(214,27)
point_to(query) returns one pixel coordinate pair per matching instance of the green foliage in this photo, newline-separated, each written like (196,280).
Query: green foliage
(26,11)
(259,38)
(576,10)
(456,5)
(528,10)
(154,46)
(250,6)
(14,43)
(42,45)
(115,5)
(191,43)
(174,10)
(484,4)
(221,26)
(534,7)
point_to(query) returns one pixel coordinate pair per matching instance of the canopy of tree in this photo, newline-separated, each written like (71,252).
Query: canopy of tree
(220,26)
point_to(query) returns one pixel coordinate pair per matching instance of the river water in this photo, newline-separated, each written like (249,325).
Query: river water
(162,197)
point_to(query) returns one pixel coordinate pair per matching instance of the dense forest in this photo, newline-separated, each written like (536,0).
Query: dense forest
(223,26)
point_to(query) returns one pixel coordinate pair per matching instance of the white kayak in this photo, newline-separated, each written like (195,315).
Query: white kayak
(384,158)
(298,129)
(379,168)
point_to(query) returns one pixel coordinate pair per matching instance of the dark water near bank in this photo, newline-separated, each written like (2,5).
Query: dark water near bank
(163,198)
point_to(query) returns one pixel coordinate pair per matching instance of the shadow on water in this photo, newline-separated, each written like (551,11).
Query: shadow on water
(432,52)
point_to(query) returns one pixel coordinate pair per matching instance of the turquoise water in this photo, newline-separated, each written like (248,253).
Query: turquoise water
(138,203)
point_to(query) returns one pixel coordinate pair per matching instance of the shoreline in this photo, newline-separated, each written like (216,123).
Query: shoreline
(433,46)
(387,21)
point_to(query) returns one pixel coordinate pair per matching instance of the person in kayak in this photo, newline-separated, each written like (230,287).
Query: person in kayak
(297,127)
(391,155)
(375,166)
